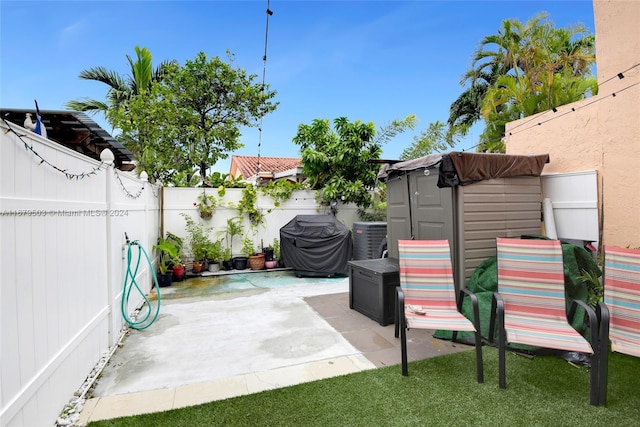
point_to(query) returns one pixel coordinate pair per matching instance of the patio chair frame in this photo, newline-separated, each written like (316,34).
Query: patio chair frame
(498,310)
(401,327)
(604,317)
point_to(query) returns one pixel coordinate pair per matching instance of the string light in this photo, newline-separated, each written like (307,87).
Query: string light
(619,76)
(70,175)
(574,109)
(29,147)
(124,189)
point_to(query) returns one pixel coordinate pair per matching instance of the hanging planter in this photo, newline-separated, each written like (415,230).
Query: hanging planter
(206,204)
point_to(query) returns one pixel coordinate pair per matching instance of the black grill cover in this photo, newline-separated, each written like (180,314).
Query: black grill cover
(316,245)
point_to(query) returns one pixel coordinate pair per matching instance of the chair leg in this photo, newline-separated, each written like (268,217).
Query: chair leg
(492,319)
(594,378)
(478,334)
(396,326)
(403,347)
(399,314)
(479,363)
(502,380)
(602,312)
(594,341)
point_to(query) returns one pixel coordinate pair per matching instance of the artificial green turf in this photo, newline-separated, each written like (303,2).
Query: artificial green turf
(442,391)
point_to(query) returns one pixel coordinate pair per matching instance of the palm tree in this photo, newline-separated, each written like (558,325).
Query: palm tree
(523,70)
(121,89)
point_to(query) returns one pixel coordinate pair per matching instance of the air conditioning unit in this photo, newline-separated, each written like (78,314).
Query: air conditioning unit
(367,237)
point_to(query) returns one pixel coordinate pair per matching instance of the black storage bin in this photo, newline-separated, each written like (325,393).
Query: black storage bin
(372,288)
(367,237)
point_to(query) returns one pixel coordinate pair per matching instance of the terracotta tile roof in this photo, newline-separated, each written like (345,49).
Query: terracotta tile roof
(247,166)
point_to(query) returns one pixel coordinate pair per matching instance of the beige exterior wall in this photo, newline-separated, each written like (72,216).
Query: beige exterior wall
(603,132)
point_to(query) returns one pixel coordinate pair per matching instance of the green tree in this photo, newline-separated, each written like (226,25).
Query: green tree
(438,137)
(192,118)
(522,70)
(338,160)
(121,88)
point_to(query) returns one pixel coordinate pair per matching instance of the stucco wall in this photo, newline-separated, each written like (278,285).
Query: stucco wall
(602,132)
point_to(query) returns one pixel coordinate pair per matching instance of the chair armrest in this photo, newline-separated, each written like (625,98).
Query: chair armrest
(497,309)
(602,313)
(463,293)
(474,303)
(400,300)
(594,329)
(400,316)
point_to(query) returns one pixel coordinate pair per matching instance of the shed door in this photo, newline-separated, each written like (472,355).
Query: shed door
(398,213)
(431,207)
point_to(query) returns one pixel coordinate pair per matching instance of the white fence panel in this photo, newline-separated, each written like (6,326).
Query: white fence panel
(574,198)
(64,219)
(57,246)
(133,214)
(179,201)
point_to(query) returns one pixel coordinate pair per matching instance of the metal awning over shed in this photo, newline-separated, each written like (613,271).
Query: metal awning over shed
(76,131)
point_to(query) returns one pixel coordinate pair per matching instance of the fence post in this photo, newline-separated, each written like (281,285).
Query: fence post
(107,157)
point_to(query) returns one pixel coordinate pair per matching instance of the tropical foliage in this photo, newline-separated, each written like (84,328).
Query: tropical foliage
(179,120)
(194,116)
(338,160)
(522,70)
(436,138)
(121,88)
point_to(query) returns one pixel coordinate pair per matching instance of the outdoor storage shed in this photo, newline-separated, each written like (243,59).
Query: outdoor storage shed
(316,245)
(466,198)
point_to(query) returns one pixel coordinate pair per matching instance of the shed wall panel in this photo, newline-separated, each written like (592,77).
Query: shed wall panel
(506,207)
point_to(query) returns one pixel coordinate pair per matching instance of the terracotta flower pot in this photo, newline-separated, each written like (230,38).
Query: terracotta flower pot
(197,267)
(256,262)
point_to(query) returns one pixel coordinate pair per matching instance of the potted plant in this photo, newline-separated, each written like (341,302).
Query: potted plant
(234,228)
(276,251)
(255,258)
(227,263)
(240,262)
(269,259)
(178,267)
(214,255)
(199,250)
(206,204)
(198,241)
(168,251)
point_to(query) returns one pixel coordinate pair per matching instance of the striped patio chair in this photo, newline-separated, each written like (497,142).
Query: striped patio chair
(426,296)
(530,304)
(620,312)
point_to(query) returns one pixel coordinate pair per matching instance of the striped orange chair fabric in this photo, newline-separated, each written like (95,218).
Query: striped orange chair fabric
(426,296)
(620,313)
(530,303)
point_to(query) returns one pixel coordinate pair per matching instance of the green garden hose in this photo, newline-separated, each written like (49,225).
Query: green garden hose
(144,322)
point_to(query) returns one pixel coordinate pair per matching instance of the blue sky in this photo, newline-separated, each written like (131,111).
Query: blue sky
(365,60)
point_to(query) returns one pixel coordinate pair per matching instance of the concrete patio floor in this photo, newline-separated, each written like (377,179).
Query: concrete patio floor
(212,346)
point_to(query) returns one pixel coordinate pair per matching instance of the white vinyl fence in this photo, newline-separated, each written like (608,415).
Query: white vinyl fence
(63,218)
(179,201)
